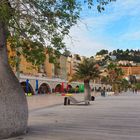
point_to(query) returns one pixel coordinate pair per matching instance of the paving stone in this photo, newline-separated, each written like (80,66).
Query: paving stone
(107,118)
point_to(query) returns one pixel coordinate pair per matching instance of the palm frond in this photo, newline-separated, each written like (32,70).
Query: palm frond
(87,70)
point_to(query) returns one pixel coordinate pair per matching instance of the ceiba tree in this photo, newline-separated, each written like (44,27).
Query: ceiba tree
(32,24)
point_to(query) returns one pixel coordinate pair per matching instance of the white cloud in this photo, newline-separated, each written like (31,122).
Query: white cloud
(126,7)
(116,11)
(84,44)
(88,38)
(131,36)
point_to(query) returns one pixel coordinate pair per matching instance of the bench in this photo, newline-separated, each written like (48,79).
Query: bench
(70,99)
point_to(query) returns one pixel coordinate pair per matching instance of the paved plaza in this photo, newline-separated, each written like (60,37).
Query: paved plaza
(107,118)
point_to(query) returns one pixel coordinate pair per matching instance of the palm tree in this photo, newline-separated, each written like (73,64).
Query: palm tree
(86,70)
(124,85)
(115,75)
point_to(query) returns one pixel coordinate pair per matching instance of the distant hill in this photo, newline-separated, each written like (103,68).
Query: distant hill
(130,55)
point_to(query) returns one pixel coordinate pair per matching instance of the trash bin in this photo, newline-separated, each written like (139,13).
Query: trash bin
(103,93)
(92,98)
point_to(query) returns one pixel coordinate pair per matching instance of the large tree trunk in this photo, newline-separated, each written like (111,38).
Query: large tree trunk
(87,91)
(13,103)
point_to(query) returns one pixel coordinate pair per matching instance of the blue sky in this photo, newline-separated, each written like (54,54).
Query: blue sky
(118,27)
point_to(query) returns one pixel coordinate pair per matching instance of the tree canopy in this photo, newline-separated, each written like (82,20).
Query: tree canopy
(130,55)
(86,70)
(43,21)
(115,77)
(102,52)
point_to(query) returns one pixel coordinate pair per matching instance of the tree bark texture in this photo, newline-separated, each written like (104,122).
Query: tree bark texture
(87,91)
(13,103)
